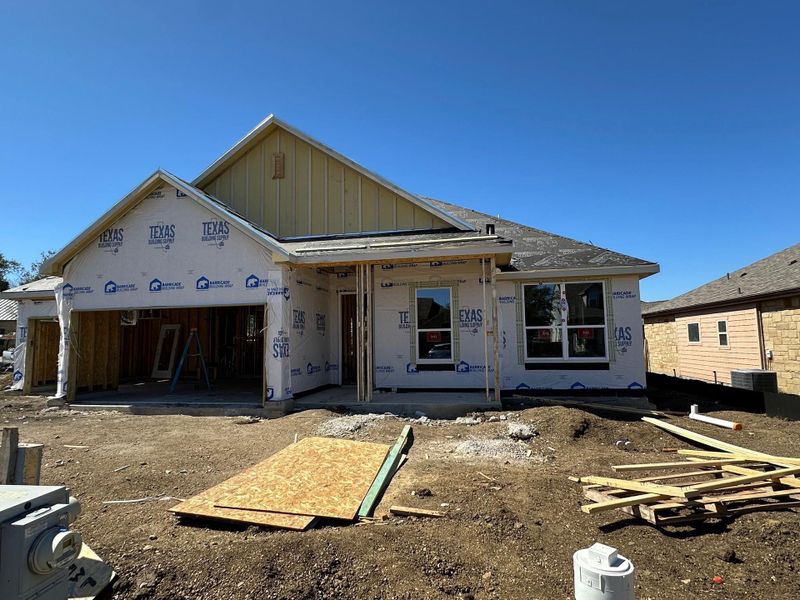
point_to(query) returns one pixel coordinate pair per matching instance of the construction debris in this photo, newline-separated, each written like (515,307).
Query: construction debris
(408,511)
(710,484)
(694,414)
(311,479)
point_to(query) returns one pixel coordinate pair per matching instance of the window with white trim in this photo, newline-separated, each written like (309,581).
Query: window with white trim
(693,331)
(565,321)
(722,333)
(434,325)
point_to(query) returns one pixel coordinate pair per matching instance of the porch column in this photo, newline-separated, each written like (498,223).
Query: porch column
(495,331)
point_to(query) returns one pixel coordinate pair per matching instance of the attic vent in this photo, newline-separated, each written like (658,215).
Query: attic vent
(278,163)
(490,229)
(791,262)
(743,274)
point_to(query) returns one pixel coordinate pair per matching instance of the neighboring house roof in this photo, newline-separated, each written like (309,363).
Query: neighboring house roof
(8,309)
(776,274)
(537,250)
(651,305)
(272,122)
(41,288)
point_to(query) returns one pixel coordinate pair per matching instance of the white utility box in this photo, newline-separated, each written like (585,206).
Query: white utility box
(602,574)
(36,544)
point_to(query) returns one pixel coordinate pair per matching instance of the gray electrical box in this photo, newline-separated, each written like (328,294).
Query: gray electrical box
(36,544)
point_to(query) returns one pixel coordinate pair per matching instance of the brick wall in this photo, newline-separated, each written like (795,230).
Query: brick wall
(662,349)
(780,321)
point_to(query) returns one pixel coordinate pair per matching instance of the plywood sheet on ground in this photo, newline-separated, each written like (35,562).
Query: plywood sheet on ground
(316,476)
(202,505)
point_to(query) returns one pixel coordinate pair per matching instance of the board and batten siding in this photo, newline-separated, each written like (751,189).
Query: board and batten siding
(701,360)
(318,194)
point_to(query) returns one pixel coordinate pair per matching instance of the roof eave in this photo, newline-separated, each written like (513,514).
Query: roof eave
(641,271)
(400,255)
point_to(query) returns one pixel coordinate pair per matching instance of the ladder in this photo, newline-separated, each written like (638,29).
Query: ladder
(184,355)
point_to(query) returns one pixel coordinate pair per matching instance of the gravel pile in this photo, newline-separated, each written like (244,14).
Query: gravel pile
(521,431)
(347,426)
(494,449)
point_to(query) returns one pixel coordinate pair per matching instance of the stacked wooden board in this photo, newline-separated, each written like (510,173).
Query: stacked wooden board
(719,484)
(311,479)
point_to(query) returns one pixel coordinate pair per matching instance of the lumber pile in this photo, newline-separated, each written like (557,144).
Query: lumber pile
(309,480)
(722,483)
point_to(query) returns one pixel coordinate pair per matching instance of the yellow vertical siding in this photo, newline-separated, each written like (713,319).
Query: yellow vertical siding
(318,194)
(701,360)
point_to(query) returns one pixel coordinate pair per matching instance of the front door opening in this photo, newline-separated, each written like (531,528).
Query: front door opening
(348,329)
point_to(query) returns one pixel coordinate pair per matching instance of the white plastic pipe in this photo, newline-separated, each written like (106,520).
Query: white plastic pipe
(693,414)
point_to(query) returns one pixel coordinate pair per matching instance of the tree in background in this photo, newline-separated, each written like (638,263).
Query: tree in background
(35,271)
(7,268)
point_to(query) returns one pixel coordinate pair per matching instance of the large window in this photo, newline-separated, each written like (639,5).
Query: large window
(693,331)
(434,325)
(565,321)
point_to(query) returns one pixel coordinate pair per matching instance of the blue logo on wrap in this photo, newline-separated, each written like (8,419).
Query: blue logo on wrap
(155,285)
(110,288)
(523,386)
(331,367)
(270,393)
(577,386)
(17,376)
(462,367)
(202,283)
(311,369)
(411,368)
(253,282)
(635,386)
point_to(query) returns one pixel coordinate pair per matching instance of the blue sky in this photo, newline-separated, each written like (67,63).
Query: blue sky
(669,131)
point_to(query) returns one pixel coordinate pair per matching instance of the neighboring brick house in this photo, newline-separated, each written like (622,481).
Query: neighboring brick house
(748,319)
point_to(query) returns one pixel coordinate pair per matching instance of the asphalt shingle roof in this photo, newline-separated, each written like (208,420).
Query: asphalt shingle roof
(535,249)
(774,274)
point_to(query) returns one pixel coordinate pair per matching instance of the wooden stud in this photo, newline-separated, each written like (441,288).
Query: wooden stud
(635,486)
(9,443)
(679,465)
(697,489)
(388,469)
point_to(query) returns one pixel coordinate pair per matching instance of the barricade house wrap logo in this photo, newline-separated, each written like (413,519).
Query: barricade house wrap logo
(69,290)
(111,240)
(254,282)
(162,235)
(112,287)
(156,285)
(204,283)
(215,233)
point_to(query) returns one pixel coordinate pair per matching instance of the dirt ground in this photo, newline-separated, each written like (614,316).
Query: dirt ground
(510,530)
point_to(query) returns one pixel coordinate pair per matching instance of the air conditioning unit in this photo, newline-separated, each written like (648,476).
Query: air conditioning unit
(758,380)
(36,544)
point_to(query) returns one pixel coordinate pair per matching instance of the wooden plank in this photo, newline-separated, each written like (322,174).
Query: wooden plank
(9,442)
(718,444)
(616,503)
(792,482)
(29,368)
(388,469)
(408,511)
(29,464)
(783,461)
(693,490)
(324,477)
(635,486)
(679,465)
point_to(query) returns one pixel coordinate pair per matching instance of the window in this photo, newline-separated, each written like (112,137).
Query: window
(565,321)
(693,329)
(722,333)
(434,325)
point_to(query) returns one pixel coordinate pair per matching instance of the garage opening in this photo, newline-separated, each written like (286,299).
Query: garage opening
(136,354)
